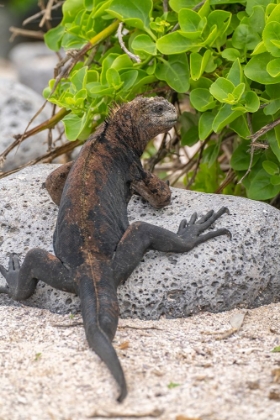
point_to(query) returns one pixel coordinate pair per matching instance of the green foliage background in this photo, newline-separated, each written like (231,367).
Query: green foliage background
(223,55)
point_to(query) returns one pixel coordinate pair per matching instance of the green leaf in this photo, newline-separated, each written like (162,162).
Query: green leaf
(273,67)
(189,129)
(212,36)
(204,9)
(272,107)
(205,125)
(97,89)
(121,62)
(221,88)
(271,38)
(203,82)
(107,64)
(270,167)
(224,117)
(129,77)
(275,14)
(113,78)
(92,76)
(212,65)
(250,4)
(144,43)
(175,72)
(259,49)
(256,70)
(276,349)
(220,19)
(70,41)
(251,101)
(151,67)
(198,64)
(273,91)
(133,12)
(172,385)
(174,43)
(235,74)
(70,9)
(231,54)
(191,23)
(273,143)
(275,179)
(202,100)
(245,37)
(74,125)
(78,78)
(177,5)
(190,137)
(240,158)
(207,179)
(261,188)
(240,126)
(100,9)
(257,19)
(142,80)
(238,92)
(53,38)
(211,154)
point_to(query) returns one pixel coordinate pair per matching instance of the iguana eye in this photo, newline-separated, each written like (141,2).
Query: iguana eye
(159,108)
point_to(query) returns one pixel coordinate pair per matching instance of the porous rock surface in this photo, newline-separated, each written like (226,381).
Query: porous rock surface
(35,64)
(219,275)
(18,105)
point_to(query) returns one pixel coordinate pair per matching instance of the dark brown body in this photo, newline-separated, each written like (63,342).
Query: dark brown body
(96,249)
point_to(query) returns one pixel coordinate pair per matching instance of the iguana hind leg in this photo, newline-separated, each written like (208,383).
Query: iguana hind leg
(37,265)
(141,236)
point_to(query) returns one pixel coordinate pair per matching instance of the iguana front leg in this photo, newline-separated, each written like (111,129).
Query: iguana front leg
(37,265)
(141,236)
(56,180)
(153,189)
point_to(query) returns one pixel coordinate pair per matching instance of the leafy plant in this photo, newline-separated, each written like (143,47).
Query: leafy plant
(276,349)
(222,55)
(172,385)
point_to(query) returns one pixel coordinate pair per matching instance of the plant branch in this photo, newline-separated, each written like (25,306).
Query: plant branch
(165,6)
(229,178)
(50,123)
(47,157)
(18,31)
(197,164)
(47,15)
(191,162)
(251,148)
(57,117)
(264,130)
(133,57)
(39,14)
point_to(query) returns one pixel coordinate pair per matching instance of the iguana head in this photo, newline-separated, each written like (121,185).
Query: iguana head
(140,120)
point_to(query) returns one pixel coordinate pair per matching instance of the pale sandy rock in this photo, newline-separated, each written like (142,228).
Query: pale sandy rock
(219,275)
(188,368)
(18,105)
(35,64)
(177,367)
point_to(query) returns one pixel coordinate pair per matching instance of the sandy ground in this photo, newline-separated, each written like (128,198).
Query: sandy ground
(182,369)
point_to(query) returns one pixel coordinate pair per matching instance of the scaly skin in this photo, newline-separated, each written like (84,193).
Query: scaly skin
(95,247)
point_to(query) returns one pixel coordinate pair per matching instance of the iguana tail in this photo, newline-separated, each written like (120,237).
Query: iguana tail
(97,338)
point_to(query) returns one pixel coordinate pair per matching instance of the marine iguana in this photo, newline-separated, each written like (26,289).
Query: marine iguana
(95,247)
